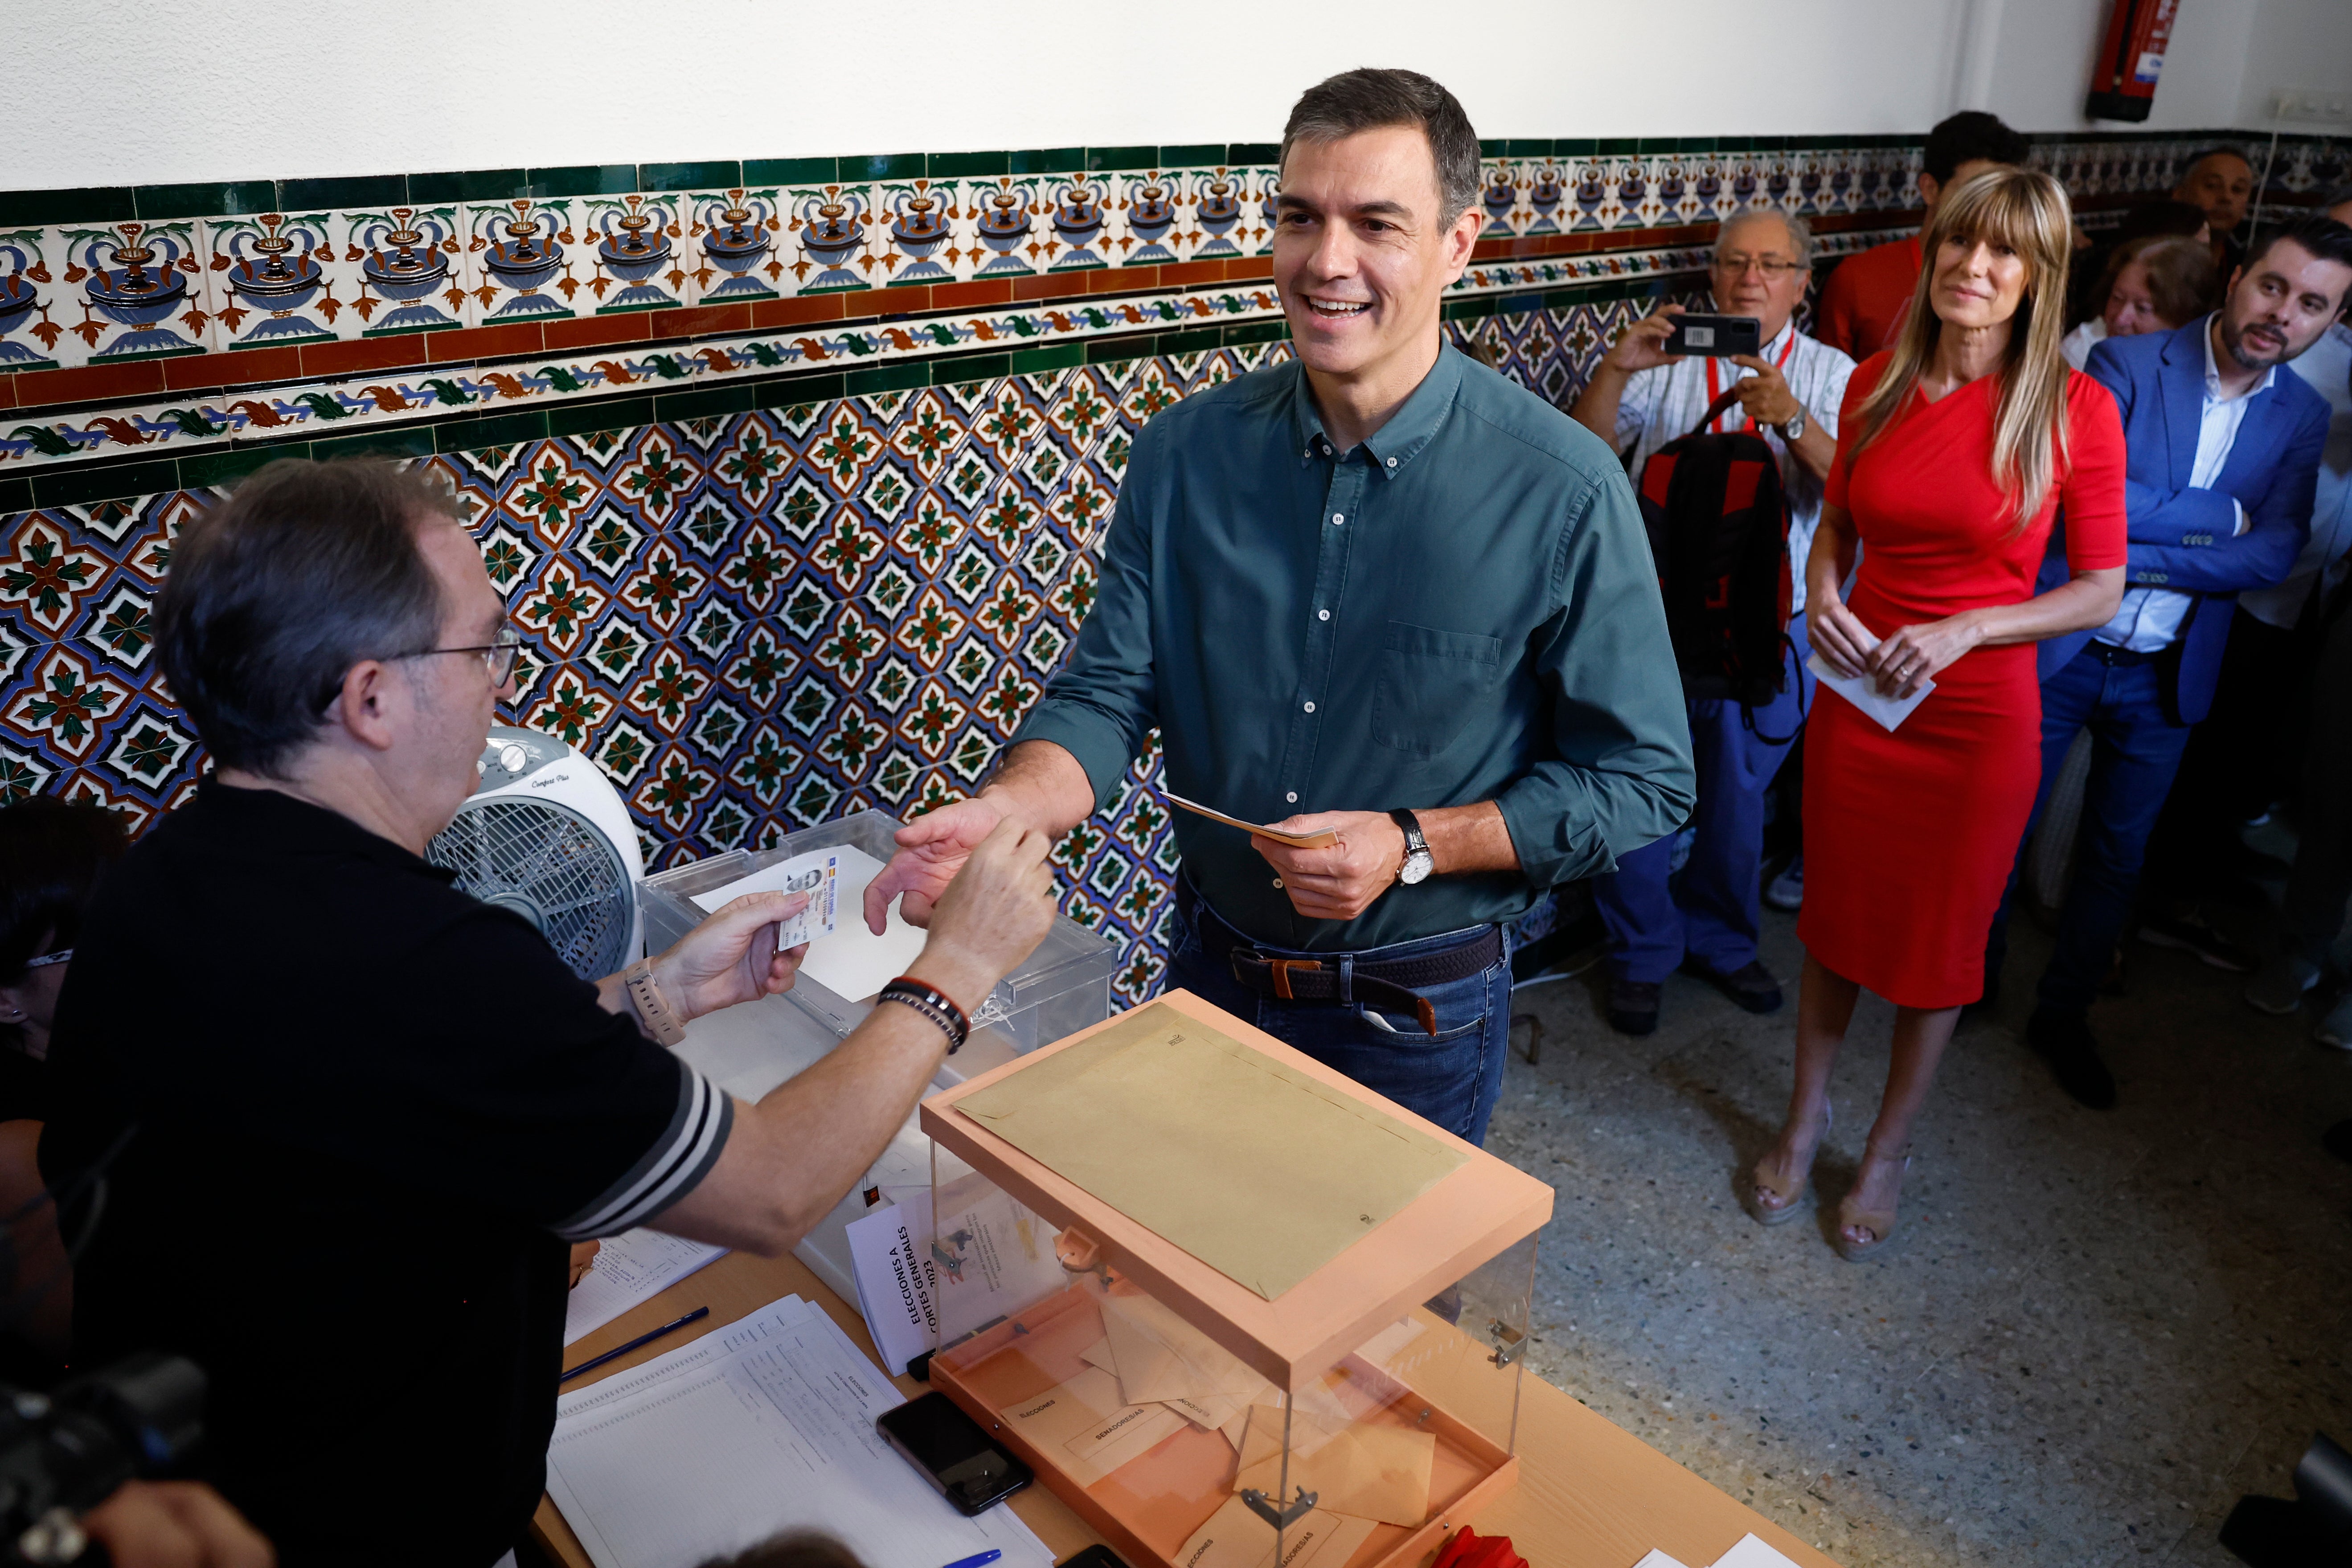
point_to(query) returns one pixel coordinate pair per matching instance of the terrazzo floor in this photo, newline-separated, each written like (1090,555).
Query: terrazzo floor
(2102,1329)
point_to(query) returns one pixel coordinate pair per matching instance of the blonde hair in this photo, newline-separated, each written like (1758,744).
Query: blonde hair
(2027,211)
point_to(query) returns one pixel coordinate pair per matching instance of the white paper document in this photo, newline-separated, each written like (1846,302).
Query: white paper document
(844,957)
(761,1426)
(890,1257)
(1659,1559)
(1750,1552)
(816,873)
(1864,693)
(630,1267)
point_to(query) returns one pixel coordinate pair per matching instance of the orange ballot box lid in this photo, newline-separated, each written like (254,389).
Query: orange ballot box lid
(1276,1205)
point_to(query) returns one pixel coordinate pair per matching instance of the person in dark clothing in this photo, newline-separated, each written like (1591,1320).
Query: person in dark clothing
(52,855)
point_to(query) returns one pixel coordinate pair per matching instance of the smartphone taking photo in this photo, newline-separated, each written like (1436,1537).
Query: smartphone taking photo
(1715,337)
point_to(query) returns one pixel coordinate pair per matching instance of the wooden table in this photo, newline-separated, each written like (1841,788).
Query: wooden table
(1589,1494)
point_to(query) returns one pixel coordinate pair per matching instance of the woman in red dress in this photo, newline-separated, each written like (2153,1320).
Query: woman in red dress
(1956,448)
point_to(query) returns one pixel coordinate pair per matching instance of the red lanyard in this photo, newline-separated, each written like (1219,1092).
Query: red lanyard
(1714,392)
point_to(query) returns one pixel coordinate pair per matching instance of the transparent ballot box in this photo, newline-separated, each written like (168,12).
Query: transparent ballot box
(748,1050)
(1063,986)
(1235,1309)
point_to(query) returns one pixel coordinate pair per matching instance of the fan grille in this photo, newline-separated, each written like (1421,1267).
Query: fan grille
(552,865)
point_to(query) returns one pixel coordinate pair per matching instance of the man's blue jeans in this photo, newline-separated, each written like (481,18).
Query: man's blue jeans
(1453,1080)
(1710,914)
(2134,752)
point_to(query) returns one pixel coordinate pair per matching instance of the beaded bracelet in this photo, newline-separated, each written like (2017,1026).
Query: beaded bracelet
(933,1003)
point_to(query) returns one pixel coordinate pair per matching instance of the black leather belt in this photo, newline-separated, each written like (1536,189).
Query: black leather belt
(1390,984)
(2112,654)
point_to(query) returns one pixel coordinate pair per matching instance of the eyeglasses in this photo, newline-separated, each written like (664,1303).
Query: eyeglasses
(47,959)
(498,656)
(1772,267)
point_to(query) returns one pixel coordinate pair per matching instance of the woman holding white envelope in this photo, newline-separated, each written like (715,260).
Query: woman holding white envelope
(1957,447)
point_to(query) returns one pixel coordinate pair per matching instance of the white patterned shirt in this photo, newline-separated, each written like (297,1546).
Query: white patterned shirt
(1662,404)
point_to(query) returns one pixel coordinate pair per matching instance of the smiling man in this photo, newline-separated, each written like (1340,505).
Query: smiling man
(2225,446)
(1376,591)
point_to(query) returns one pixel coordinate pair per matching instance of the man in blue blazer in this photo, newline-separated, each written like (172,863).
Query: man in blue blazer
(2224,453)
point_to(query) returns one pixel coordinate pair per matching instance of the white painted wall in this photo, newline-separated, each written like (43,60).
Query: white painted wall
(2297,43)
(211,90)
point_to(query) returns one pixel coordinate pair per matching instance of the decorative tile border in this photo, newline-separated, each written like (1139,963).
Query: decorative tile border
(465,279)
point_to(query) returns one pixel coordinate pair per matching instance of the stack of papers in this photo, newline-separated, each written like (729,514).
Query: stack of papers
(764,1426)
(630,1267)
(1749,1551)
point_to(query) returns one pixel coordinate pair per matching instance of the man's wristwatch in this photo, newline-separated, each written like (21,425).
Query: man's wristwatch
(1794,430)
(1418,861)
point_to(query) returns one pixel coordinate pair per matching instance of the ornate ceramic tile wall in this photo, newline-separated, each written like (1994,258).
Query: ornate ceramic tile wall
(762,618)
(754,622)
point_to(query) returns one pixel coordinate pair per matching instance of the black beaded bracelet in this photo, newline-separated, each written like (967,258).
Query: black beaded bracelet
(933,1003)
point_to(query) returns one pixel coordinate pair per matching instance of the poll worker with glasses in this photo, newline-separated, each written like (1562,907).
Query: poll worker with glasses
(1377,591)
(348,1120)
(1640,398)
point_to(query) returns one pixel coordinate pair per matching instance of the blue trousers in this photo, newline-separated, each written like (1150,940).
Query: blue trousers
(2135,752)
(1452,1080)
(1709,913)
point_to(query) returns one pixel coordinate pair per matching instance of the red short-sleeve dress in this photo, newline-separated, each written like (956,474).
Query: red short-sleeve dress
(1909,836)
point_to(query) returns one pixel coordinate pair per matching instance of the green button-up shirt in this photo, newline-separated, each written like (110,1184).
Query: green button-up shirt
(1462,608)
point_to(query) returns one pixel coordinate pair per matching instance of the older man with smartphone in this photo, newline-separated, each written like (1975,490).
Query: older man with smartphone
(1642,396)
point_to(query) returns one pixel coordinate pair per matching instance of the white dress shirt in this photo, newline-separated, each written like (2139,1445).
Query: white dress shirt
(2150,619)
(2078,344)
(2328,365)
(1662,403)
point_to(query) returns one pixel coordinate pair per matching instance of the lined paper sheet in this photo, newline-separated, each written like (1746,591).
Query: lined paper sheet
(630,1267)
(764,1426)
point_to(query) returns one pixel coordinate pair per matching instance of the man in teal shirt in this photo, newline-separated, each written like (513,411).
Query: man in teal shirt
(1378,591)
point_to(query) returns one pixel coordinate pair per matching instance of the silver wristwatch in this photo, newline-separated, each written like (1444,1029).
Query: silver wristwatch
(1794,430)
(1418,861)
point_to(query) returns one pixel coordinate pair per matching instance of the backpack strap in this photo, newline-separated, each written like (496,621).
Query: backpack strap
(1724,400)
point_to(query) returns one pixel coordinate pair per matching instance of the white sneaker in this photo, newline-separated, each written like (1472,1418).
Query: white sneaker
(1788,889)
(2336,1029)
(2281,986)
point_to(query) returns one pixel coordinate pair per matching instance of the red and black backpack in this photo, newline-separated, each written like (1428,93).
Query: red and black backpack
(1718,520)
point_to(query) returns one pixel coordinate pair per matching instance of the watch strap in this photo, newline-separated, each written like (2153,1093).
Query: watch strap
(1415,841)
(661,1020)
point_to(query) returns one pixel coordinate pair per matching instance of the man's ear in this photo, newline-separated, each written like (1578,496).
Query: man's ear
(370,704)
(1930,188)
(1461,239)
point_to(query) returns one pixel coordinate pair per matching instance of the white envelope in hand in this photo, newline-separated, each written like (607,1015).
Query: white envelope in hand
(1863,692)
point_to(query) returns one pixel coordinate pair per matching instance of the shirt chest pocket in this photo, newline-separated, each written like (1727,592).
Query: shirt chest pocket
(1430,681)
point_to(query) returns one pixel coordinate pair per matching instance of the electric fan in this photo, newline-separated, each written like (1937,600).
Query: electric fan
(547,836)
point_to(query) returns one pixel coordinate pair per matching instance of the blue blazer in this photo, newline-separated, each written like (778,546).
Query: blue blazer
(2182,538)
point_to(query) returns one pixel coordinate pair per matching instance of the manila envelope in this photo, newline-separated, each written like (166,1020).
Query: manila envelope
(1233,1537)
(1208,1413)
(1367,1471)
(1085,1420)
(1161,1356)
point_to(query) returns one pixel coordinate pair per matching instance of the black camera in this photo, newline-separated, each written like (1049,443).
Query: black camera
(66,1452)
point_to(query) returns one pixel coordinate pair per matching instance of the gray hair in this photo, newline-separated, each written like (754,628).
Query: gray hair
(1800,232)
(1368,99)
(274,595)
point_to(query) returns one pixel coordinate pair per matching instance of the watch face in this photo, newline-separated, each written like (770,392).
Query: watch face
(1416,867)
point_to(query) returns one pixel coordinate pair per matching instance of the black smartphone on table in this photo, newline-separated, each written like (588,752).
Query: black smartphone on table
(1095,1556)
(1715,337)
(962,1463)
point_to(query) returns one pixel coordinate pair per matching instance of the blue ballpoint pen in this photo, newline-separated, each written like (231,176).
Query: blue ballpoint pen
(991,1555)
(616,1352)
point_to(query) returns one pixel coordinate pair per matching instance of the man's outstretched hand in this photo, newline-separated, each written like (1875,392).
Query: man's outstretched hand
(931,849)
